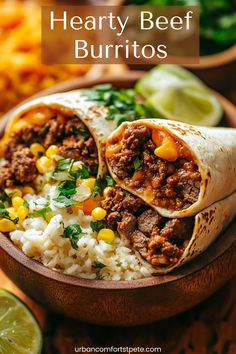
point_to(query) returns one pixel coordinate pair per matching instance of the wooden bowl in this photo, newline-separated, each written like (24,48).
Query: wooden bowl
(123,303)
(216,70)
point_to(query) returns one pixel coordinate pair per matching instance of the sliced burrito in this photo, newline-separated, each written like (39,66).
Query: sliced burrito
(163,242)
(69,120)
(176,168)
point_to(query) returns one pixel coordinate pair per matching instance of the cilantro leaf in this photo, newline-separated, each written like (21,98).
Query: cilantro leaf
(121,103)
(81,173)
(4,213)
(64,164)
(98,265)
(67,188)
(137,163)
(26,204)
(97,189)
(73,233)
(63,202)
(98,225)
(82,131)
(41,212)
(108,180)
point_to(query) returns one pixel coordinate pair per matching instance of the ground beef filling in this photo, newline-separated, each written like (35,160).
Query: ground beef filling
(159,240)
(71,135)
(174,185)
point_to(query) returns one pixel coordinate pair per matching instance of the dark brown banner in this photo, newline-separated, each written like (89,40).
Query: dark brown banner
(120,34)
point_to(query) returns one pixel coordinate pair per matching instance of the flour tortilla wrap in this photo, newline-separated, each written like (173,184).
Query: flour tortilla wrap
(73,103)
(214,152)
(208,225)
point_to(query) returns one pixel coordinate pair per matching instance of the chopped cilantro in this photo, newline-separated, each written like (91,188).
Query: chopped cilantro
(64,164)
(98,265)
(98,225)
(4,213)
(82,131)
(81,173)
(73,233)
(67,188)
(41,212)
(6,197)
(97,189)
(101,183)
(26,204)
(137,163)
(63,202)
(121,103)
(119,264)
(109,181)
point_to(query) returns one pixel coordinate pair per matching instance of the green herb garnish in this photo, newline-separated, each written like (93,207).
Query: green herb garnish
(101,183)
(26,204)
(4,213)
(82,131)
(137,163)
(63,202)
(98,265)
(64,165)
(97,189)
(73,232)
(108,180)
(81,173)
(42,212)
(98,225)
(67,188)
(121,103)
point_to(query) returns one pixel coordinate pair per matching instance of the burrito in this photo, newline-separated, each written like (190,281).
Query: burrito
(176,168)
(162,242)
(76,125)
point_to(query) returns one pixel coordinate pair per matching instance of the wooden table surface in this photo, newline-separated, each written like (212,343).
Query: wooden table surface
(209,328)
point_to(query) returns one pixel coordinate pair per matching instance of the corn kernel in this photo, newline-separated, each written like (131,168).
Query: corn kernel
(37,149)
(106,191)
(48,216)
(44,165)
(106,235)
(99,213)
(89,183)
(28,190)
(167,151)
(13,192)
(17,202)
(7,225)
(75,168)
(22,212)
(52,151)
(12,213)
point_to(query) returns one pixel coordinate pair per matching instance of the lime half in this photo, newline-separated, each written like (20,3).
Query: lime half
(19,330)
(172,92)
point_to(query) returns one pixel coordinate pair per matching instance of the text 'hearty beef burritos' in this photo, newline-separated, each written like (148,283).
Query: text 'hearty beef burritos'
(163,242)
(68,120)
(176,168)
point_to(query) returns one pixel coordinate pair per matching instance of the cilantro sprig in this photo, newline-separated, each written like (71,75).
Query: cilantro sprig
(101,183)
(73,232)
(121,103)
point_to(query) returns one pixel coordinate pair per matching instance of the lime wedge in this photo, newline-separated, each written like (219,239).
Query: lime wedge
(172,92)
(19,330)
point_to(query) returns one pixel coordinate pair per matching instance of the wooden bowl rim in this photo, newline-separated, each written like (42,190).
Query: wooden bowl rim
(189,269)
(205,61)
(194,266)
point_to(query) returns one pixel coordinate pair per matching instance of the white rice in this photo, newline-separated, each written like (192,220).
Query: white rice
(44,242)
